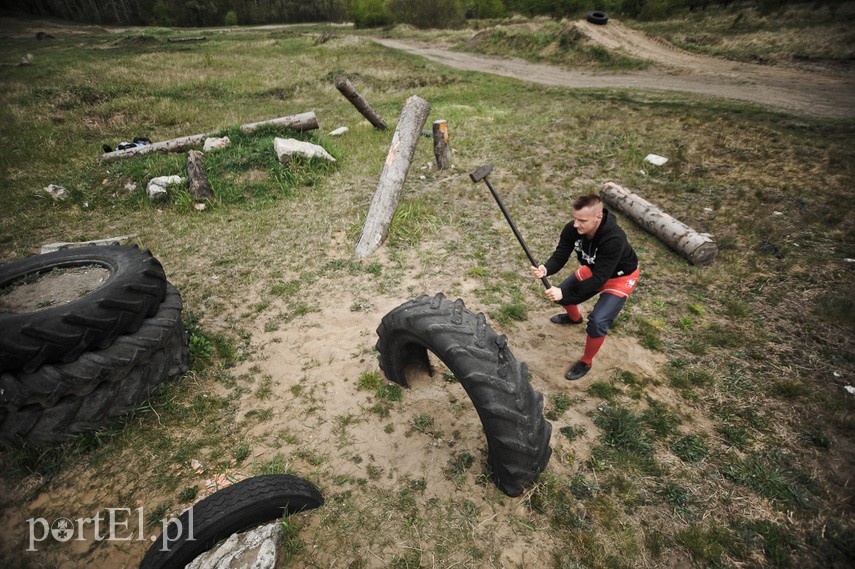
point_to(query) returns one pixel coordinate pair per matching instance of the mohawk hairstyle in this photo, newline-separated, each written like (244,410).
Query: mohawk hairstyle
(588,200)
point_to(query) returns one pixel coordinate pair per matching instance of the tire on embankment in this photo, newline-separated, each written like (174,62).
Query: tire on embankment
(133,291)
(511,411)
(58,402)
(238,507)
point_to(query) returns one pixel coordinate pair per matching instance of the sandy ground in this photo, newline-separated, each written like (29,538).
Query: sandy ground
(810,93)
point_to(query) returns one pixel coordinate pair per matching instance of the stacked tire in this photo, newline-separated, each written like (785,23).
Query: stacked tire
(75,367)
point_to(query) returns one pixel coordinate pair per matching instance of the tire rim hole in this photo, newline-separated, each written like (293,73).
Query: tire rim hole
(60,285)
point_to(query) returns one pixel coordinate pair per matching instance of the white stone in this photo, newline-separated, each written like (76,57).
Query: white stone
(212,143)
(286,148)
(849,389)
(339,131)
(655,159)
(252,549)
(156,187)
(57,192)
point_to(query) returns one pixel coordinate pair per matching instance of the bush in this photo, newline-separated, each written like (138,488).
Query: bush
(370,14)
(426,14)
(230,18)
(479,9)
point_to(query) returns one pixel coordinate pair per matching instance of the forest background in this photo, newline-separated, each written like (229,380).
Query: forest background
(363,13)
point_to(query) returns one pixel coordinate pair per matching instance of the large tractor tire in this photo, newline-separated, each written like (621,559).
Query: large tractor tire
(57,403)
(238,507)
(511,411)
(133,291)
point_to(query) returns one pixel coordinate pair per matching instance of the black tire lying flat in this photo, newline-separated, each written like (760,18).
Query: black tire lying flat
(241,506)
(134,290)
(100,386)
(511,411)
(597,17)
(46,385)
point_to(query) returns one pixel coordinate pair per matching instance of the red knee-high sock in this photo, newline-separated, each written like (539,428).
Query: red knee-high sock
(573,312)
(592,346)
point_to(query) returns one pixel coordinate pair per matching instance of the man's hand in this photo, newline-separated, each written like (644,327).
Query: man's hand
(538,272)
(554,294)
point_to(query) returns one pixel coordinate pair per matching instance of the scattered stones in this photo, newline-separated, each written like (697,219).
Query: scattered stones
(157,187)
(212,143)
(56,192)
(252,549)
(339,131)
(287,148)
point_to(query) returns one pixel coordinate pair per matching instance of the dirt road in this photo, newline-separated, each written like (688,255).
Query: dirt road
(794,91)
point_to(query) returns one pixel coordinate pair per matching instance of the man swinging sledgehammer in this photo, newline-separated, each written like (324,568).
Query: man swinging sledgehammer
(609,267)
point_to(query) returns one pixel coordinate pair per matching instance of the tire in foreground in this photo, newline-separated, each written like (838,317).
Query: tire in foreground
(511,411)
(133,291)
(236,508)
(56,403)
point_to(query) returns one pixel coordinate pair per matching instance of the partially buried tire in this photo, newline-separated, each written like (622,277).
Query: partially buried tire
(58,402)
(133,290)
(597,17)
(236,508)
(511,411)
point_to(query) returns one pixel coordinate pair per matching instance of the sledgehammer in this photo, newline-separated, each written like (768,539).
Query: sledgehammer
(481,174)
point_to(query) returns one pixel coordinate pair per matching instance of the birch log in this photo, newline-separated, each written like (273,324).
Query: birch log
(300,123)
(391,184)
(349,91)
(698,248)
(440,145)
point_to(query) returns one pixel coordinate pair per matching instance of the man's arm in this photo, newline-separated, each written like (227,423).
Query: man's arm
(562,252)
(592,277)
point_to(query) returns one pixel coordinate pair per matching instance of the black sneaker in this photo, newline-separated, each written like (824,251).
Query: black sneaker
(578,370)
(564,319)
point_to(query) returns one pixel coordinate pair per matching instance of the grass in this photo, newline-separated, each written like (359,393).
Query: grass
(724,457)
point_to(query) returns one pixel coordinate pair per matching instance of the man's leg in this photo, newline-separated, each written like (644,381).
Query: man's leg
(570,305)
(605,311)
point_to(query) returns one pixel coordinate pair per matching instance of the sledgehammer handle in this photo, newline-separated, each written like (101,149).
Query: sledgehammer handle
(480,174)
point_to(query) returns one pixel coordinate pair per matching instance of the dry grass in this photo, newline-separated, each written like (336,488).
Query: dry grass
(727,442)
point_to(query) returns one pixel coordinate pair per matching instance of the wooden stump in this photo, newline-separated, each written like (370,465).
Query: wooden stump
(440,145)
(200,188)
(391,184)
(349,91)
(698,248)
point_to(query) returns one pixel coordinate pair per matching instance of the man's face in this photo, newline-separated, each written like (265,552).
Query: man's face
(587,220)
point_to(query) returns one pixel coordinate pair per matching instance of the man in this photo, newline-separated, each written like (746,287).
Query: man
(609,267)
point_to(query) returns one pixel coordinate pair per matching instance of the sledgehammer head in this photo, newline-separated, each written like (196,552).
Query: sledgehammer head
(481,173)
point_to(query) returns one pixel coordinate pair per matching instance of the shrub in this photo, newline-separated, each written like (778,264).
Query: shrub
(370,14)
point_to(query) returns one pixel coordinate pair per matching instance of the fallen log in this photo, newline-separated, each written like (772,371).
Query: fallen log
(186,39)
(200,188)
(349,91)
(301,122)
(391,184)
(698,248)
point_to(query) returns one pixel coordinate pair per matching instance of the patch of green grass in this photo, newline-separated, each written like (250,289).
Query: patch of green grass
(707,544)
(660,419)
(690,448)
(560,403)
(604,390)
(573,432)
(773,476)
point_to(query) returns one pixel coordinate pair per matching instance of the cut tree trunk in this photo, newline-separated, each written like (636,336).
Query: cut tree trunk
(698,248)
(391,184)
(300,123)
(440,145)
(349,91)
(186,39)
(200,188)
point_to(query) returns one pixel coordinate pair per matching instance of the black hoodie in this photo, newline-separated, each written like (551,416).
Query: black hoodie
(608,254)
